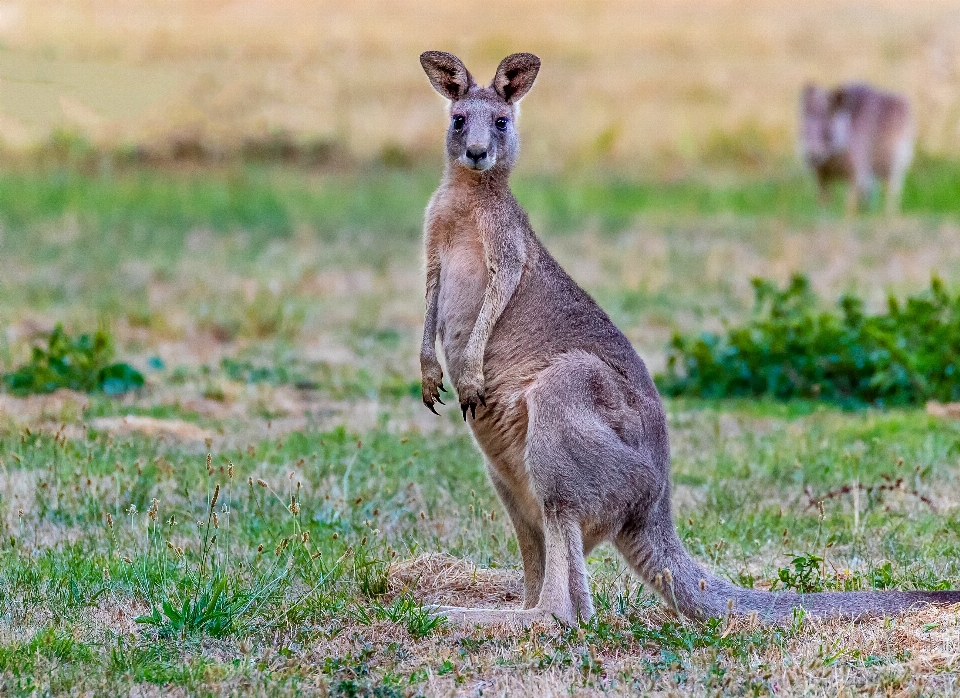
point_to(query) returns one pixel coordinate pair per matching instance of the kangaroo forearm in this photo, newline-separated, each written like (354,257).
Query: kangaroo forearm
(428,350)
(497,294)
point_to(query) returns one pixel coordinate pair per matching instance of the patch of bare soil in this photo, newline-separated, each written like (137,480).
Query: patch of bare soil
(150,426)
(61,406)
(949,410)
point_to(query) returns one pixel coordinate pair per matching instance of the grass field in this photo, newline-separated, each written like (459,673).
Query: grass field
(275,313)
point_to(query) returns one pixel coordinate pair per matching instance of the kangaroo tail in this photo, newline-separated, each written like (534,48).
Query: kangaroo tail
(659,557)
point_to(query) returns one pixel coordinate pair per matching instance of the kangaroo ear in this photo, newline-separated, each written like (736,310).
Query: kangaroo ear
(814,98)
(447,74)
(515,76)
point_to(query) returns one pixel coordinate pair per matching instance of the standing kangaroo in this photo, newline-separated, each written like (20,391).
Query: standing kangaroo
(858,134)
(565,412)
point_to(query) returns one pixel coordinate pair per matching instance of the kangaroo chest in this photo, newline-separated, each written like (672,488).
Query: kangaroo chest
(463,279)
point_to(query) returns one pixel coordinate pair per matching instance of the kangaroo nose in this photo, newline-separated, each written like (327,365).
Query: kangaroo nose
(476,154)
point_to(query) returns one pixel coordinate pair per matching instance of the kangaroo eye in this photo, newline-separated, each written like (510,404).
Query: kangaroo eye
(501,124)
(458,122)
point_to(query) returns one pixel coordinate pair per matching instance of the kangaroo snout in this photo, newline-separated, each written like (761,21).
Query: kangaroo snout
(477,157)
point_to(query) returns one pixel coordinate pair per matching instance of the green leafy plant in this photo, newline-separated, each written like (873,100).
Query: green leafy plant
(805,575)
(212,612)
(81,363)
(793,348)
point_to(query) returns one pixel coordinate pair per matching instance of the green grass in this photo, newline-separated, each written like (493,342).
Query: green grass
(151,211)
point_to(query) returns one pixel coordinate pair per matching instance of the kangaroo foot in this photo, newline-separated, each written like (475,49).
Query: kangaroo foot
(490,616)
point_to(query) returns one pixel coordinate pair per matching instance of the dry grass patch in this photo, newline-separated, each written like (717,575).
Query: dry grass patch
(444,579)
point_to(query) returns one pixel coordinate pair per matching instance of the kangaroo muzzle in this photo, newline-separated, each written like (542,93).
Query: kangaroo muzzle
(479,156)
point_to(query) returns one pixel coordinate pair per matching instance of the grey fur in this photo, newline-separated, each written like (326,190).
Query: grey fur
(565,412)
(859,134)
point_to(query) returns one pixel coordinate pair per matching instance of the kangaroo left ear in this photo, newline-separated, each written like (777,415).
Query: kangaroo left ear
(515,76)
(447,74)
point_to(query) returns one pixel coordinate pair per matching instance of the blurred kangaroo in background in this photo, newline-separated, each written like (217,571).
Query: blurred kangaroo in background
(567,416)
(859,134)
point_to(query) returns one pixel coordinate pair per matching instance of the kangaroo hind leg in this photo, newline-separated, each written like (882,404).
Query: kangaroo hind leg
(571,459)
(564,555)
(530,539)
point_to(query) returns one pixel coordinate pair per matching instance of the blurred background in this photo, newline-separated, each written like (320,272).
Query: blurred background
(631,85)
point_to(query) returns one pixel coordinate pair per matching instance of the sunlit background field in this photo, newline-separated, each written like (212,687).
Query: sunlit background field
(233,193)
(634,84)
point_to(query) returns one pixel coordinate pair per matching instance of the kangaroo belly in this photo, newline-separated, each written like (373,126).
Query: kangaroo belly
(463,278)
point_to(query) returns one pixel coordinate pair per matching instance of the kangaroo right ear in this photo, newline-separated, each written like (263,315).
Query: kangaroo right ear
(447,74)
(515,76)
(814,98)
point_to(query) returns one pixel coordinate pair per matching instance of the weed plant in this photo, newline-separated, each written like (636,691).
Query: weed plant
(81,363)
(791,347)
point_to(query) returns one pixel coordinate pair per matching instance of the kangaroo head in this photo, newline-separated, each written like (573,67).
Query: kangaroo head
(815,123)
(482,134)
(824,122)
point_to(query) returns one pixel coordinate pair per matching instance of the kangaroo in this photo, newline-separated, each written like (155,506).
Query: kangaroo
(566,414)
(858,134)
